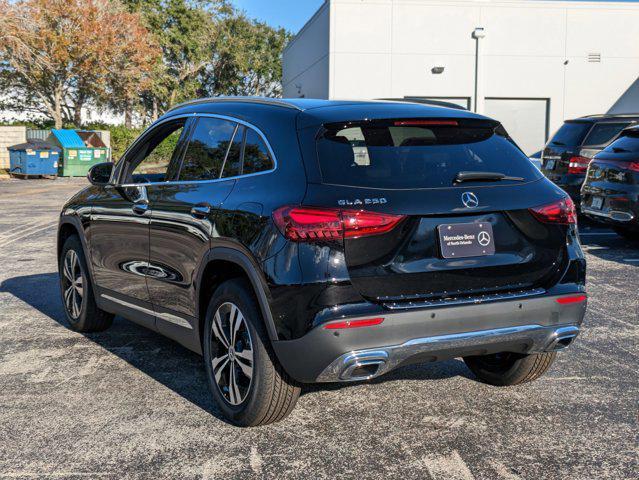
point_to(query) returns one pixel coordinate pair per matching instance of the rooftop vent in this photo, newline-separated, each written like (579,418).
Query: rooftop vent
(594,57)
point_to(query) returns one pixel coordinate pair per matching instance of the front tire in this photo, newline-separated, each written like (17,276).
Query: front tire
(80,308)
(506,368)
(245,378)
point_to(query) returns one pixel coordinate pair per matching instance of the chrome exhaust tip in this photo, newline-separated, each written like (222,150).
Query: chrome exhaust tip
(561,338)
(363,366)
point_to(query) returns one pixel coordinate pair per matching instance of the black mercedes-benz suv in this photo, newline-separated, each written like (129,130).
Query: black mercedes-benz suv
(610,194)
(566,156)
(299,241)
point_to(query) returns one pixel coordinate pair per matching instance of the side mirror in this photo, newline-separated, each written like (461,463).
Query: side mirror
(100,174)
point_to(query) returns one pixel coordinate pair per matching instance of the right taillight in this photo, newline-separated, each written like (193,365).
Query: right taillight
(562,212)
(578,164)
(307,224)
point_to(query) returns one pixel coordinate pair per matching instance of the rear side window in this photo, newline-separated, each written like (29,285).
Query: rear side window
(399,155)
(233,164)
(571,134)
(256,155)
(603,133)
(205,154)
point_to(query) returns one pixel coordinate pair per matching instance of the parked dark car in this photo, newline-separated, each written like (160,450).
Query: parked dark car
(610,193)
(300,241)
(566,156)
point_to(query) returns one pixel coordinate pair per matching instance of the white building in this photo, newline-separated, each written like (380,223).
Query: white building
(534,64)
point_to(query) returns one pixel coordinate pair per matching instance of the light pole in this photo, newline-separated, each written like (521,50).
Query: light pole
(477,34)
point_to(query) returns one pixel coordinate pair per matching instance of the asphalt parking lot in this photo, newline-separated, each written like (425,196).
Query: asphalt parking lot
(128,403)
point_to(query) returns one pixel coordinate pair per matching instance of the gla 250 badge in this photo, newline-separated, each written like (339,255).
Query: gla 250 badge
(361,201)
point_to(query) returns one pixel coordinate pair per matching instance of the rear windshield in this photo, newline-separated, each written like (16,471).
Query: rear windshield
(603,133)
(570,134)
(399,155)
(629,143)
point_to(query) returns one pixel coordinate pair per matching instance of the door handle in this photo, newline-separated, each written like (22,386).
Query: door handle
(201,210)
(140,208)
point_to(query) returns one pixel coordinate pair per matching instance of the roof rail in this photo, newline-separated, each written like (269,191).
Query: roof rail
(277,102)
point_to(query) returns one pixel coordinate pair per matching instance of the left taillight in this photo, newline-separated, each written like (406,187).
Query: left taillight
(561,212)
(307,224)
(578,164)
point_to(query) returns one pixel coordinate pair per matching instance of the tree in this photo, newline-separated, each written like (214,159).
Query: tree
(56,55)
(247,58)
(186,31)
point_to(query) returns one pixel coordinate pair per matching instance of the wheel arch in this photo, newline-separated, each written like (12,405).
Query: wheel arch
(69,226)
(236,264)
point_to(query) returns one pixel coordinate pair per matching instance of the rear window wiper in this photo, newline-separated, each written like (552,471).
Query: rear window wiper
(484,177)
(556,142)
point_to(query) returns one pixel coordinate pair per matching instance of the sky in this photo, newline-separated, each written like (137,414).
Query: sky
(290,14)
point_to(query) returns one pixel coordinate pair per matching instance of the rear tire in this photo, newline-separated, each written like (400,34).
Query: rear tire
(245,378)
(504,369)
(627,233)
(78,299)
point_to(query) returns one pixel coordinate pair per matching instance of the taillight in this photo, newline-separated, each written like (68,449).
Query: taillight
(578,164)
(364,322)
(562,212)
(634,166)
(304,224)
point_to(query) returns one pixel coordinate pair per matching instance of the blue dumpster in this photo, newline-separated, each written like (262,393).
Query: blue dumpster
(33,158)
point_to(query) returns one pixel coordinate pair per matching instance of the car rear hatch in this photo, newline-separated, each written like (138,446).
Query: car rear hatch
(612,183)
(426,231)
(563,146)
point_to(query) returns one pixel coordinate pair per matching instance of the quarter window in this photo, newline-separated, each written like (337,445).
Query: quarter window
(256,155)
(207,149)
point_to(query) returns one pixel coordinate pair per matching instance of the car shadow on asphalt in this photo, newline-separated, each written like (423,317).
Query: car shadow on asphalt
(171,364)
(609,246)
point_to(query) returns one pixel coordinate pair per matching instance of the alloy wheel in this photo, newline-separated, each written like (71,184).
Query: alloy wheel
(232,358)
(73,284)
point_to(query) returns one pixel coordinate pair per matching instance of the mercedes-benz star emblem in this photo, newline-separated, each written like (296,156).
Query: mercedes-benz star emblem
(483,238)
(470,200)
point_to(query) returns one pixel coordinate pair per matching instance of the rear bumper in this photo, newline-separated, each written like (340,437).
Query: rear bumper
(366,364)
(526,325)
(613,217)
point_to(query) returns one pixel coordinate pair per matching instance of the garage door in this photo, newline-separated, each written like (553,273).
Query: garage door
(525,119)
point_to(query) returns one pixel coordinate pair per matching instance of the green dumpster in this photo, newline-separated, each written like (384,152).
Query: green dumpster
(77,157)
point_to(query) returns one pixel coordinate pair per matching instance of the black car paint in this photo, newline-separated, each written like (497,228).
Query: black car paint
(299,285)
(610,178)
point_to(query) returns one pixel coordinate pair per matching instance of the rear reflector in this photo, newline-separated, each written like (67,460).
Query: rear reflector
(364,322)
(307,224)
(578,164)
(569,300)
(433,123)
(561,212)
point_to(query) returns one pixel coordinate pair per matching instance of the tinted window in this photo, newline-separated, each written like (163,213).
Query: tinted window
(207,149)
(233,165)
(571,134)
(602,133)
(399,156)
(256,156)
(151,162)
(625,144)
